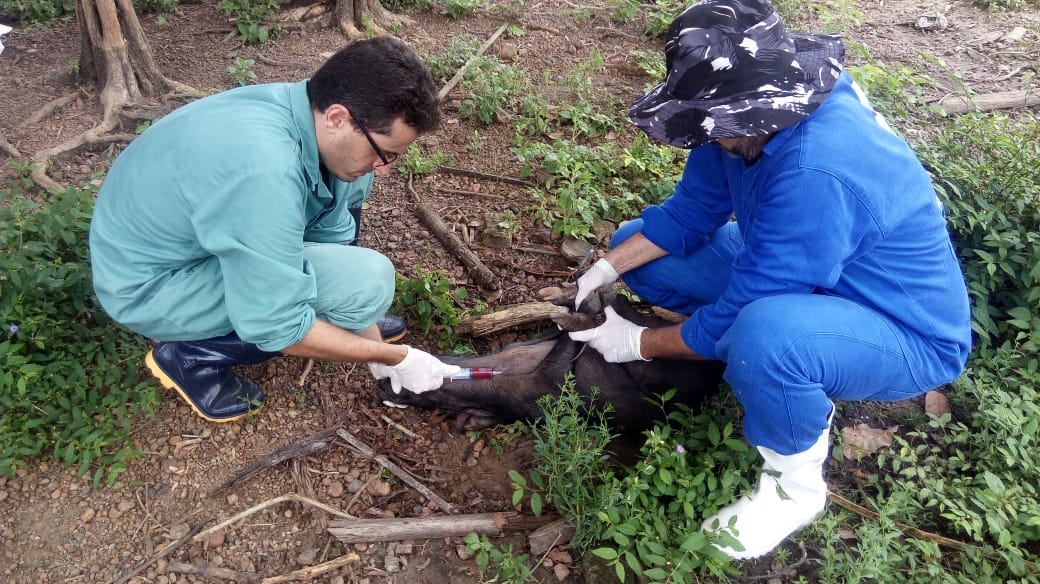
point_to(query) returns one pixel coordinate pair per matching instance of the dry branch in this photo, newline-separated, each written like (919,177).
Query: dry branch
(311,571)
(268,503)
(162,553)
(476,269)
(959,104)
(394,529)
(205,570)
(510,317)
(398,471)
(462,71)
(485,176)
(915,532)
(304,447)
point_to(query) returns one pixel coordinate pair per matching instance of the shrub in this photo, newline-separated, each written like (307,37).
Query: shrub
(68,375)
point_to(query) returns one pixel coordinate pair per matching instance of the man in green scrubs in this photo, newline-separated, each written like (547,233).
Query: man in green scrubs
(223,231)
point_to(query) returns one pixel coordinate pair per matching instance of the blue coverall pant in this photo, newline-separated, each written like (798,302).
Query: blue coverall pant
(786,356)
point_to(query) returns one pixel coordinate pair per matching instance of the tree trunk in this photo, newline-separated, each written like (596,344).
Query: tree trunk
(356,17)
(114,55)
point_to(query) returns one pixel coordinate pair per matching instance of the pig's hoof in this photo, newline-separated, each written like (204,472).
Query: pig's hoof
(387,402)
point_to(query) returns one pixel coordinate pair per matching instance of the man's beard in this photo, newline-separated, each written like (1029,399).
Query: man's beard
(749,148)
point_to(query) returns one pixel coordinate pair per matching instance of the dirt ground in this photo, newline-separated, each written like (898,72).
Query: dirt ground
(54,527)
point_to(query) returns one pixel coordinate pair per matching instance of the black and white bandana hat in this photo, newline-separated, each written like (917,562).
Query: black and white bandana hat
(734,71)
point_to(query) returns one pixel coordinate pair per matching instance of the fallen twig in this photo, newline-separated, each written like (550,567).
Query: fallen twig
(406,431)
(304,447)
(398,471)
(462,71)
(552,274)
(466,193)
(268,503)
(170,548)
(485,176)
(311,571)
(398,528)
(207,571)
(918,533)
(478,272)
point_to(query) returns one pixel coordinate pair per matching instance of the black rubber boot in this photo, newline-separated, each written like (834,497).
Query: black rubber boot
(200,371)
(391,327)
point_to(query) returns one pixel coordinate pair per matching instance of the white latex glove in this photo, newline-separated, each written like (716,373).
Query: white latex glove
(600,274)
(616,339)
(418,372)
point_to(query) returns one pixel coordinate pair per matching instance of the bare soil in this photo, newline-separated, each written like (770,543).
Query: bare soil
(55,527)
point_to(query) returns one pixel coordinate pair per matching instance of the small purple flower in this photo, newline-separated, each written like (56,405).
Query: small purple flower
(680,449)
(13,328)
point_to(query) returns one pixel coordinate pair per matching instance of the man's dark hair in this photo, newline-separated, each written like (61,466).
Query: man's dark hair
(378,80)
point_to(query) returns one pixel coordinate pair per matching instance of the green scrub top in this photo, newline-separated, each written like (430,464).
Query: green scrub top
(200,226)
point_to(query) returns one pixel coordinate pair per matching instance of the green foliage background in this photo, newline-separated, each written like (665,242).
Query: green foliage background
(68,375)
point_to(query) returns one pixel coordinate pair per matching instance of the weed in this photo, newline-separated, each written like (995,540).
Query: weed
(645,519)
(587,183)
(250,16)
(460,8)
(73,67)
(444,65)
(509,567)
(476,142)
(429,298)
(494,89)
(242,71)
(68,375)
(414,163)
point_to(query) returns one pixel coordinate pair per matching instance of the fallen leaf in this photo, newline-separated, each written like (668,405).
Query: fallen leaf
(862,440)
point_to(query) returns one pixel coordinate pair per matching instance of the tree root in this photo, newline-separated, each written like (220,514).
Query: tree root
(103,134)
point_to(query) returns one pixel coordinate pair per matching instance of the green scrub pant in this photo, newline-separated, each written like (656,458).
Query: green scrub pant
(354,287)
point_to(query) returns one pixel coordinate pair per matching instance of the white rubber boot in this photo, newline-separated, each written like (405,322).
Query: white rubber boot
(790,493)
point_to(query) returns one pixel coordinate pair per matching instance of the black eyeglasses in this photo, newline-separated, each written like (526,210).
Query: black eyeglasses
(386,158)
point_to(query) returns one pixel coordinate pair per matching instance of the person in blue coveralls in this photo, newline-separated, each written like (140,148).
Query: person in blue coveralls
(224,231)
(804,241)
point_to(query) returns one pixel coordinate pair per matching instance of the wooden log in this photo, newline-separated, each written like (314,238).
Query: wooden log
(478,272)
(509,317)
(549,536)
(372,530)
(960,104)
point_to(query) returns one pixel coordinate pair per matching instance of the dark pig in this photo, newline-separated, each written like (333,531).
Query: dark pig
(532,369)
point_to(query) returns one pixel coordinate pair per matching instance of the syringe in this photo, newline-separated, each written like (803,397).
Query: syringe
(473,373)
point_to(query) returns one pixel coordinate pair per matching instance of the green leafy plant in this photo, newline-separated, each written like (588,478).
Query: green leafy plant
(460,8)
(430,299)
(68,375)
(445,64)
(494,89)
(250,17)
(412,162)
(583,115)
(498,563)
(587,183)
(242,71)
(646,519)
